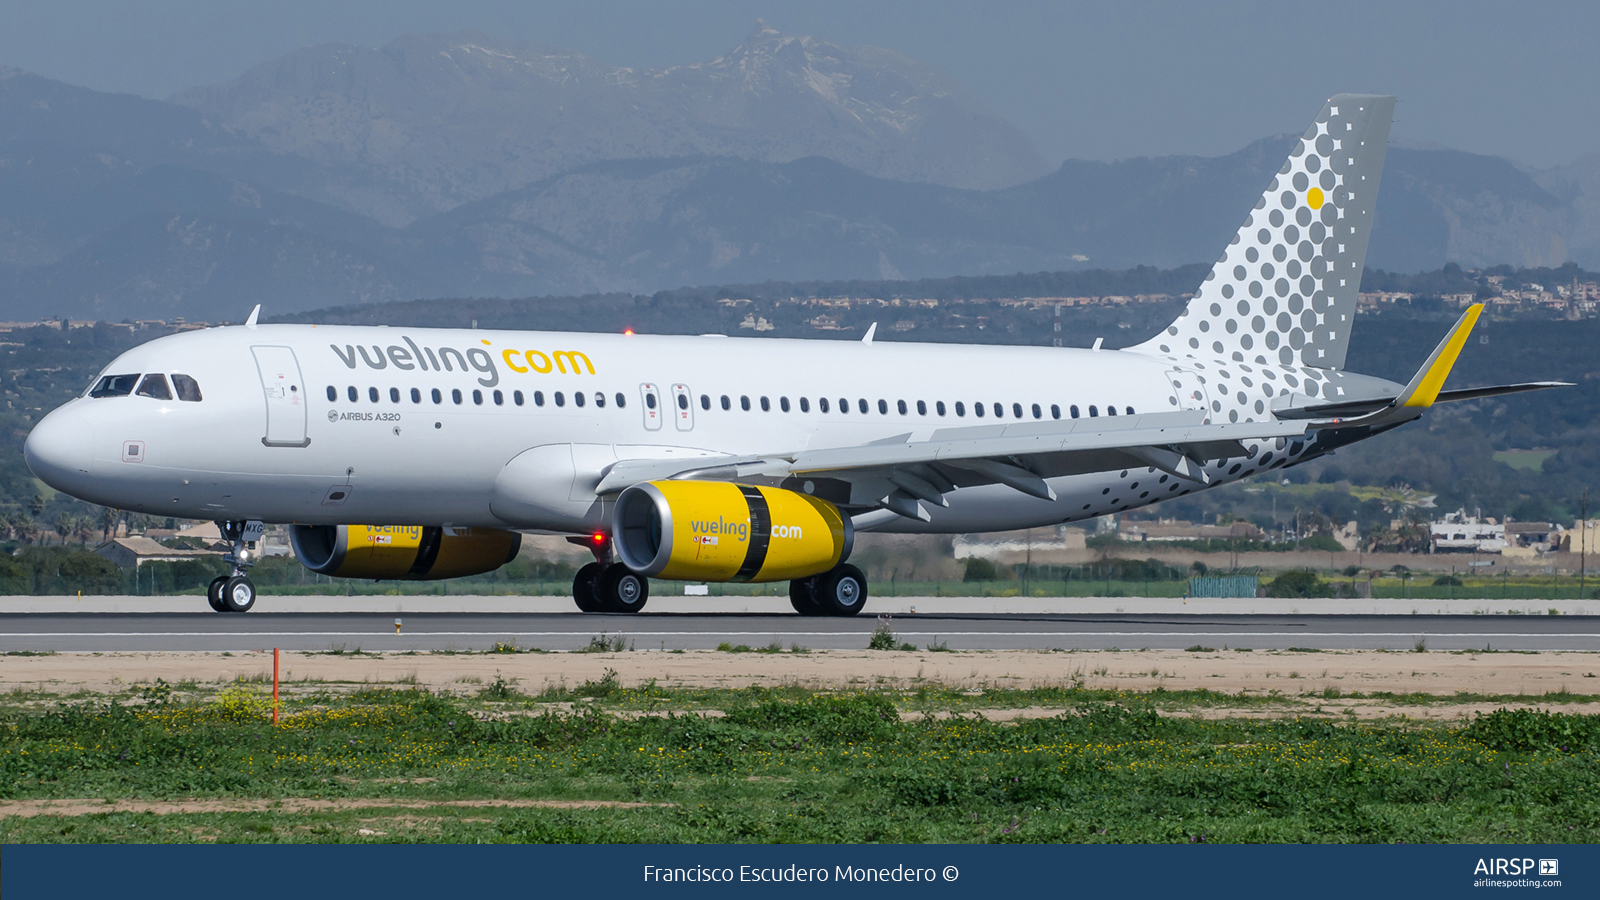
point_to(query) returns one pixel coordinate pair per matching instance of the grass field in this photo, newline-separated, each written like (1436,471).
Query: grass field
(601,762)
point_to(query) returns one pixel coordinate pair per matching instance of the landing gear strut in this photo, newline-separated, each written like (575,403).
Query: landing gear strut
(606,586)
(839,592)
(235,592)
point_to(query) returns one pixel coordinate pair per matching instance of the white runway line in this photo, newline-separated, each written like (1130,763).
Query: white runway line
(636,634)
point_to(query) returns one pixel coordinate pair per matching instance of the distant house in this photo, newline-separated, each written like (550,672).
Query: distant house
(133,552)
(1461,533)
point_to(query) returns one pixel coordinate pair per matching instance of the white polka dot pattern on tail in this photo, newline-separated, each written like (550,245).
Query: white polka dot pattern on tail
(1284,292)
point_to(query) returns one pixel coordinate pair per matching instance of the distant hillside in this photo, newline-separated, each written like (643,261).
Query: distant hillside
(113,206)
(454,118)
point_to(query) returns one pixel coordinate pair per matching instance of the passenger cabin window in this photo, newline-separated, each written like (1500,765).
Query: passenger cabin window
(416,396)
(961,408)
(516,397)
(844,405)
(1074,410)
(115,386)
(538,398)
(187,389)
(561,399)
(938,407)
(577,398)
(1111,410)
(726,403)
(372,394)
(1039,413)
(394,395)
(705,401)
(999,411)
(477,397)
(622,402)
(922,408)
(499,399)
(783,403)
(744,403)
(766,405)
(822,404)
(455,394)
(155,386)
(1016,410)
(352,393)
(1093,411)
(599,399)
(1129,410)
(862,405)
(805,405)
(1055,410)
(977,409)
(333,394)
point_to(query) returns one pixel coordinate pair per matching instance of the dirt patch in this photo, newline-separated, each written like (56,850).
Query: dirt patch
(1261,672)
(31,808)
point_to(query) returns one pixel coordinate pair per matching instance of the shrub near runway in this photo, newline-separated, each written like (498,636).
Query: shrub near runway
(797,766)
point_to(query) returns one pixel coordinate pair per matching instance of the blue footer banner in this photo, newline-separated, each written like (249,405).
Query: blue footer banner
(301,872)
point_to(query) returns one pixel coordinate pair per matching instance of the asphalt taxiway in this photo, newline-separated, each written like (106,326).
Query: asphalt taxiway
(375,630)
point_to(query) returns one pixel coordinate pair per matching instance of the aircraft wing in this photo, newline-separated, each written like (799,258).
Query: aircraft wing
(898,472)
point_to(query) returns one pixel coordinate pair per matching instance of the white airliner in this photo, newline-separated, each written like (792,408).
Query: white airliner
(717,459)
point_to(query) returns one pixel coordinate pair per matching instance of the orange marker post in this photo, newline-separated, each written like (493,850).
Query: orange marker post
(274,685)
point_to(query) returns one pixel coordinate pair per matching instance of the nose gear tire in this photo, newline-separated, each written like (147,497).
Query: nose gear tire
(214,593)
(239,594)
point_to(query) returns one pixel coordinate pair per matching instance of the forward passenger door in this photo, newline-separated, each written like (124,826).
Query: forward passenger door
(285,395)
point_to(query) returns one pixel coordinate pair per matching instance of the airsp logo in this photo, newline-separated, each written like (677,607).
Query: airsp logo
(1549,867)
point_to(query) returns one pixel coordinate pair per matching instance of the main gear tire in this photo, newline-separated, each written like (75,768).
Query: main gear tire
(619,589)
(842,591)
(583,585)
(803,596)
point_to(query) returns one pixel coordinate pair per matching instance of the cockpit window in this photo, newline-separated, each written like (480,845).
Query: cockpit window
(114,386)
(188,389)
(154,385)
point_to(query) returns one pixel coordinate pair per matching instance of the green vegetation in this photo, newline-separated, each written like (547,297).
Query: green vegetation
(789,766)
(1529,460)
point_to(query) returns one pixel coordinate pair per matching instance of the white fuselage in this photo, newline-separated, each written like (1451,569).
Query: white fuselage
(267,442)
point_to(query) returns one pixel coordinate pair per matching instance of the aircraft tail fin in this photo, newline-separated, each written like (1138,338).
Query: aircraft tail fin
(1284,291)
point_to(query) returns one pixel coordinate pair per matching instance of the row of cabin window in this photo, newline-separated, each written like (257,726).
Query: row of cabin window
(978,409)
(823,405)
(456,397)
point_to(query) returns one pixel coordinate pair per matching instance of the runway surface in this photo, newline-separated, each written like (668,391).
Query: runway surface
(372,632)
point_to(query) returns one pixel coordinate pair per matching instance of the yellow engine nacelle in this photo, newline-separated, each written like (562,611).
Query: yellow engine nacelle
(402,552)
(716,531)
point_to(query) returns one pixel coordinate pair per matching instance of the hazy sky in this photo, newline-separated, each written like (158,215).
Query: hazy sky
(1092,80)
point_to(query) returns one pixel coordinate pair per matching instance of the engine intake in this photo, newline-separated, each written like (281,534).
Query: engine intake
(402,552)
(716,531)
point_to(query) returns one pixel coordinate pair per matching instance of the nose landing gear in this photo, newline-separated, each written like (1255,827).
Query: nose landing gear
(235,592)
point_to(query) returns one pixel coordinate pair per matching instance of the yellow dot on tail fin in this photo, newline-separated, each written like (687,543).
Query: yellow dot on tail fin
(1314,198)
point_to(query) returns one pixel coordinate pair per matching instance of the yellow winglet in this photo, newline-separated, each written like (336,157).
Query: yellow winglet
(1426,384)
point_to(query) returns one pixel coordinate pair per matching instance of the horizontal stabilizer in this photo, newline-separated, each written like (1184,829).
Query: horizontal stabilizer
(1498,390)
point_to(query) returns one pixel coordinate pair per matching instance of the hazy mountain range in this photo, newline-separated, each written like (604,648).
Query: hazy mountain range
(456,165)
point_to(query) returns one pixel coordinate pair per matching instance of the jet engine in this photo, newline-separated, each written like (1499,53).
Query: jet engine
(402,552)
(716,531)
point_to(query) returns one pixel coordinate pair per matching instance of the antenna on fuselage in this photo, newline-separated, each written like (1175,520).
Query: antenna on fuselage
(254,314)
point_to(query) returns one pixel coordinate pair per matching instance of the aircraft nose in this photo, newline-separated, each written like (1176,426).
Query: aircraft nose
(60,449)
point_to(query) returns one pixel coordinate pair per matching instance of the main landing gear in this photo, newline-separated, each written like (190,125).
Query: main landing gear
(839,592)
(606,586)
(235,592)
